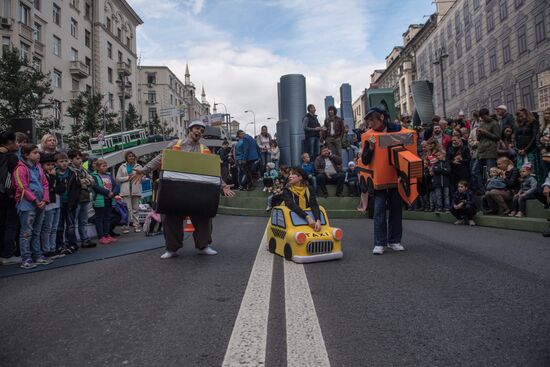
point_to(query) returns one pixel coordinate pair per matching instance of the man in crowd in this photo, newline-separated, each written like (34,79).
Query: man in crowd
(173,224)
(8,213)
(312,130)
(442,139)
(250,156)
(333,130)
(328,168)
(506,118)
(488,135)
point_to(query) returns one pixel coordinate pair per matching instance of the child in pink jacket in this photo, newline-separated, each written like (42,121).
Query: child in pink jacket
(31,196)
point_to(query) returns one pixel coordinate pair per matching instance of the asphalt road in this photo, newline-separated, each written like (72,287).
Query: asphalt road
(458,296)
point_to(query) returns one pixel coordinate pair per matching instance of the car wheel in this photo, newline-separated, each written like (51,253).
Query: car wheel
(288,252)
(272,245)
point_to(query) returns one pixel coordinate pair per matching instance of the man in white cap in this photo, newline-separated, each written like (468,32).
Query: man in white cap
(506,118)
(460,121)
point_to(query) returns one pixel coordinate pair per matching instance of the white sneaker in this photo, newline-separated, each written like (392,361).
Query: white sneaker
(471,222)
(10,260)
(378,250)
(168,255)
(207,251)
(396,247)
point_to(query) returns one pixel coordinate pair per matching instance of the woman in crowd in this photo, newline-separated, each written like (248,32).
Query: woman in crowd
(264,142)
(526,141)
(458,154)
(130,192)
(544,141)
(497,199)
(298,198)
(48,144)
(506,145)
(275,154)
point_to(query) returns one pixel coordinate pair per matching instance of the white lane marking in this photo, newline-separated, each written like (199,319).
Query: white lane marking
(247,346)
(305,345)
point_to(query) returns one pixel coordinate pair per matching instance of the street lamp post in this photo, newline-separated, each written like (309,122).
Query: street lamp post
(228,121)
(440,55)
(254,115)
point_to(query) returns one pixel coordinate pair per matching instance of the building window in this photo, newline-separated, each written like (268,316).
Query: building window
(476,4)
(37,4)
(471,79)
(109,50)
(57,46)
(119,56)
(526,90)
(119,33)
(490,21)
(518,3)
(129,63)
(108,23)
(74,28)
(25,51)
(458,47)
(110,75)
(522,40)
(128,42)
(478,30)
(506,53)
(87,11)
(151,96)
(37,32)
(151,78)
(511,101)
(493,60)
(87,38)
(6,43)
(88,89)
(111,100)
(503,9)
(152,113)
(74,54)
(88,62)
(450,30)
(74,3)
(468,40)
(453,86)
(56,78)
(540,30)
(76,85)
(24,14)
(466,12)
(461,84)
(37,63)
(56,14)
(458,26)
(481,66)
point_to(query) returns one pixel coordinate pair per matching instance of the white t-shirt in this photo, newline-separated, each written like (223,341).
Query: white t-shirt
(329,167)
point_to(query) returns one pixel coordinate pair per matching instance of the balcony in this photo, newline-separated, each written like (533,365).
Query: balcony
(39,48)
(78,69)
(123,68)
(6,23)
(25,31)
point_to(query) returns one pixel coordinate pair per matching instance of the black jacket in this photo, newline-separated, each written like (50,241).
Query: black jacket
(54,187)
(442,173)
(292,203)
(71,185)
(10,160)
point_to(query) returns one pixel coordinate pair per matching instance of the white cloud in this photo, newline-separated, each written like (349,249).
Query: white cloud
(197,6)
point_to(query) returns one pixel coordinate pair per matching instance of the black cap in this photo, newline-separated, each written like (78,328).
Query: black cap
(47,158)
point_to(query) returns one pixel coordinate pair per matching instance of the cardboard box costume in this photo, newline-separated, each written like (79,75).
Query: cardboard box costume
(189,184)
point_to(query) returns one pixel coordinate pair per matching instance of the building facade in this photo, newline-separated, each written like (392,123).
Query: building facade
(85,45)
(497,52)
(358,110)
(162,94)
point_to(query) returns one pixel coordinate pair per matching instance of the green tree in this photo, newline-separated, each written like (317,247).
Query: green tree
(23,87)
(133,119)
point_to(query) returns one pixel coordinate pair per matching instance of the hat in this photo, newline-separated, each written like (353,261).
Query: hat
(47,158)
(351,164)
(197,123)
(528,166)
(381,110)
(461,113)
(502,107)
(270,165)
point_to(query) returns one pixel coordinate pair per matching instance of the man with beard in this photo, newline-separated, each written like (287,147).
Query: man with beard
(333,131)
(173,224)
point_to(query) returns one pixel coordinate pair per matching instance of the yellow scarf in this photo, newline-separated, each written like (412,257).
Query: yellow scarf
(302,192)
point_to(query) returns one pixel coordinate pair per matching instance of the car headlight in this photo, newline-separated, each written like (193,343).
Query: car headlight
(337,233)
(300,238)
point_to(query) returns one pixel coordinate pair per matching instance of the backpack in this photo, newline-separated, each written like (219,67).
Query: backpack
(5,178)
(152,225)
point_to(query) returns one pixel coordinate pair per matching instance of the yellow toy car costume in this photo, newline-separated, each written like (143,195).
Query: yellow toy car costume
(290,236)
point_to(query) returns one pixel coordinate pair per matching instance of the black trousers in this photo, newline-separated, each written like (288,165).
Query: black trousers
(9,221)
(463,213)
(337,179)
(173,231)
(247,169)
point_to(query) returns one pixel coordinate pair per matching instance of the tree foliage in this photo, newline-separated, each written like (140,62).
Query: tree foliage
(23,87)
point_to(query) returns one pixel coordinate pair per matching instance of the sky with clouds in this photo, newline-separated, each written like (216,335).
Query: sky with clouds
(240,48)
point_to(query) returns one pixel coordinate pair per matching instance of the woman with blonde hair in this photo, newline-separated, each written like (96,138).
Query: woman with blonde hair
(498,199)
(129,191)
(48,144)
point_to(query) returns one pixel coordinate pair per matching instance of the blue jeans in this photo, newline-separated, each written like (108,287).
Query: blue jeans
(387,231)
(265,157)
(520,203)
(78,218)
(29,239)
(313,182)
(476,176)
(312,147)
(441,198)
(48,234)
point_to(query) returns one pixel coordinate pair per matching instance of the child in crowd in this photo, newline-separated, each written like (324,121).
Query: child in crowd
(526,192)
(32,196)
(308,167)
(104,186)
(70,187)
(441,183)
(48,234)
(275,195)
(351,178)
(270,175)
(79,215)
(464,206)
(275,153)
(495,180)
(284,172)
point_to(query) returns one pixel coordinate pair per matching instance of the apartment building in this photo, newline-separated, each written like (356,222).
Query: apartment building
(162,94)
(85,45)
